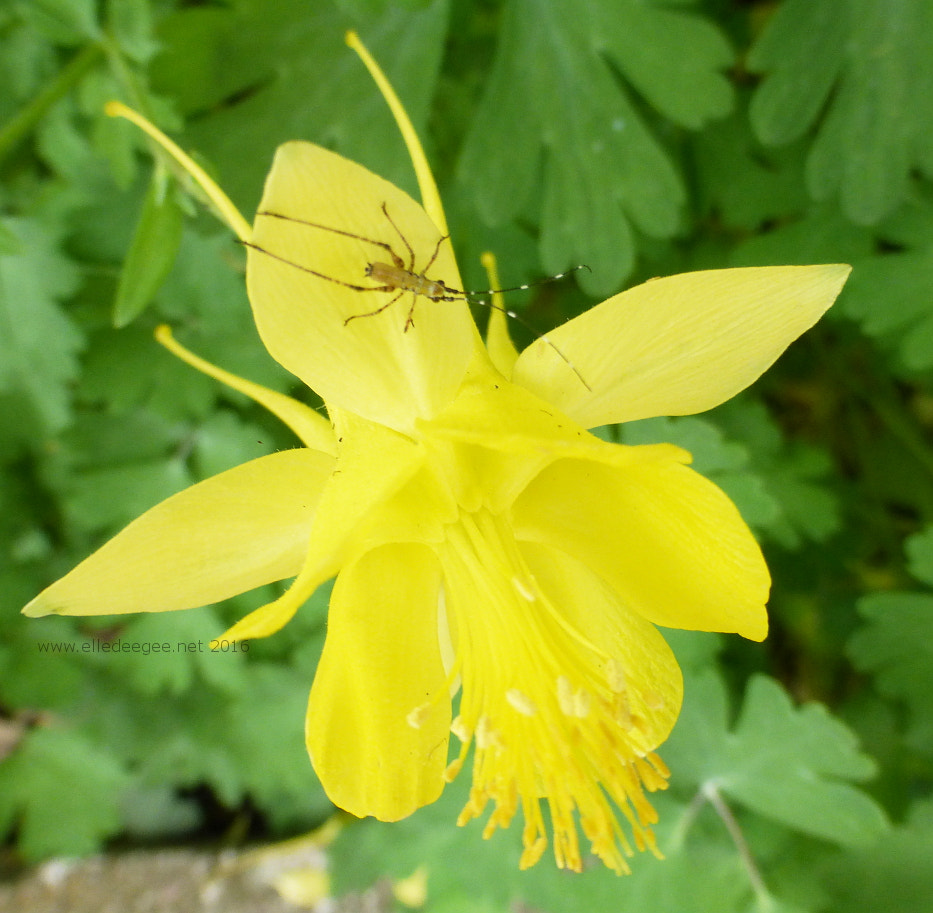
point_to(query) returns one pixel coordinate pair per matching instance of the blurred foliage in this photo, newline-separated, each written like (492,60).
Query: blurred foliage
(642,137)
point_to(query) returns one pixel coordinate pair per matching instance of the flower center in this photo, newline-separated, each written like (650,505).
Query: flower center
(550,713)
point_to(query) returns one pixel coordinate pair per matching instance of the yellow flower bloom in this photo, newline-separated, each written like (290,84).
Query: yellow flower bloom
(481,538)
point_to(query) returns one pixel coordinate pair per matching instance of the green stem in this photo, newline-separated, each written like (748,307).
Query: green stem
(23,123)
(712,795)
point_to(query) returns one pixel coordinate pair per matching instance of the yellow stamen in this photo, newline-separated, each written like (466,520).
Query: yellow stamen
(453,768)
(229,212)
(542,735)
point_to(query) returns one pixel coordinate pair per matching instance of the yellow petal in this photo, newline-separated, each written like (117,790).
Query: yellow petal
(273,616)
(299,278)
(355,511)
(512,435)
(653,681)
(235,531)
(379,712)
(366,502)
(668,541)
(677,345)
(502,351)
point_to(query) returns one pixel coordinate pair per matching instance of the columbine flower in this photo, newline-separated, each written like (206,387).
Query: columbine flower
(481,537)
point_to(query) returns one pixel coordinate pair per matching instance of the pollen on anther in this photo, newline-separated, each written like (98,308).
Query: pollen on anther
(416,717)
(581,704)
(521,702)
(622,713)
(486,735)
(654,700)
(575,703)
(565,695)
(460,729)
(615,676)
(452,769)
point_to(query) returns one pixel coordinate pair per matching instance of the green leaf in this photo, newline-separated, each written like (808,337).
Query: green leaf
(125,368)
(45,667)
(919,548)
(38,342)
(675,59)
(809,509)
(130,22)
(891,297)
(224,441)
(294,78)
(164,654)
(743,183)
(821,235)
(63,792)
(63,21)
(27,59)
(263,730)
(97,439)
(788,764)
(895,875)
(868,63)
(152,253)
(109,497)
(896,646)
(159,813)
(796,477)
(604,173)
(802,53)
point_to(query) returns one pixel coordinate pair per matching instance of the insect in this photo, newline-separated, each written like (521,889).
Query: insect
(401,277)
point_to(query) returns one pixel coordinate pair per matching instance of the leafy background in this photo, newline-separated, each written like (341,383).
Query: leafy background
(641,137)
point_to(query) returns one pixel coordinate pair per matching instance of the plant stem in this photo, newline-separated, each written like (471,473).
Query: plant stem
(714,797)
(23,123)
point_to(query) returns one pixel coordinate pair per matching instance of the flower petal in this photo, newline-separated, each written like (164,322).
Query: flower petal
(371,499)
(505,435)
(380,673)
(235,531)
(502,351)
(353,513)
(668,541)
(677,345)
(300,279)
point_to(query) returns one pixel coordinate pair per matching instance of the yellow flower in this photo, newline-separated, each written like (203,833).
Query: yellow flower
(481,538)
